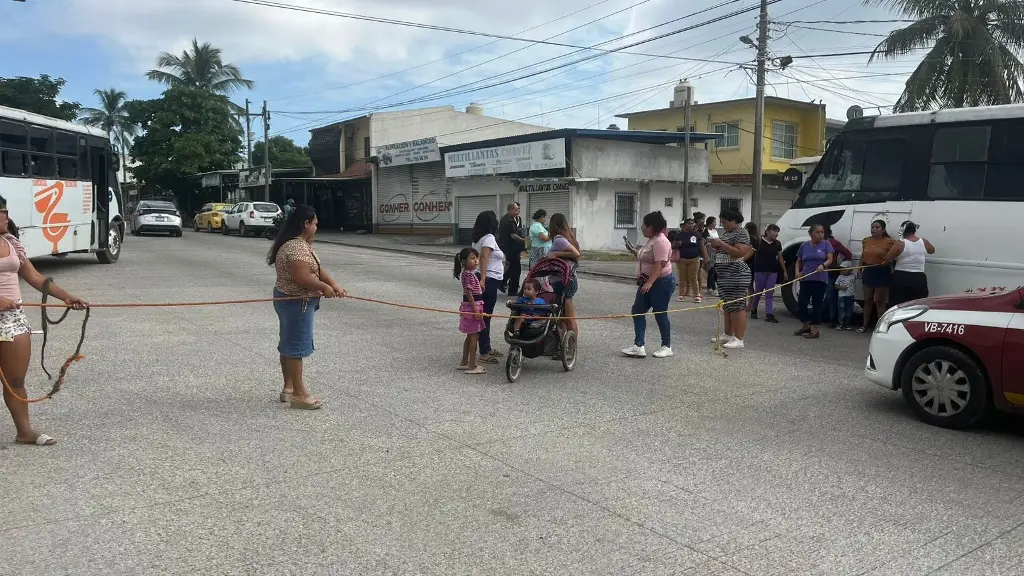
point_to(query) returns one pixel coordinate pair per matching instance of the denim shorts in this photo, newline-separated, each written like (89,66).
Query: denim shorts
(295,318)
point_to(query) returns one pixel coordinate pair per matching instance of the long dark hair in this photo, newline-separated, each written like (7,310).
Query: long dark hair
(460,261)
(881,223)
(291,229)
(559,226)
(486,223)
(12,228)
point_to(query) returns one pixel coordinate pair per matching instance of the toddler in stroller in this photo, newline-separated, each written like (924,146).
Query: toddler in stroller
(542,301)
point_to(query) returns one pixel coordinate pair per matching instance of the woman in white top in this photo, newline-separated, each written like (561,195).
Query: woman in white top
(492,272)
(909,281)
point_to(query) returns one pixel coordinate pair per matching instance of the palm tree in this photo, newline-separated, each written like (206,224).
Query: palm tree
(201,67)
(112,116)
(974,56)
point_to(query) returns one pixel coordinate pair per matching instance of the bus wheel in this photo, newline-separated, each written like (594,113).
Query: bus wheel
(113,249)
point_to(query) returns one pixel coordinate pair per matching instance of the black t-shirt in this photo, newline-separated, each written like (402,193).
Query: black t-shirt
(766,259)
(689,245)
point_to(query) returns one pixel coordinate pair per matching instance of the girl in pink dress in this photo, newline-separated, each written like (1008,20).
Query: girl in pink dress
(471,320)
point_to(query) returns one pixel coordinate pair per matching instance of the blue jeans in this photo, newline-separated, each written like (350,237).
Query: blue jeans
(657,299)
(845,310)
(832,301)
(490,299)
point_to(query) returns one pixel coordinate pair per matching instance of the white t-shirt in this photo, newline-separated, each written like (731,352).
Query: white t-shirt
(496,260)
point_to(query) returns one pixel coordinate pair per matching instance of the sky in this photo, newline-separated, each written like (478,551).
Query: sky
(315,69)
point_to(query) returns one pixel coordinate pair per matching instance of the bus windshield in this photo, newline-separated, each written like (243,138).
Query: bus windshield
(855,170)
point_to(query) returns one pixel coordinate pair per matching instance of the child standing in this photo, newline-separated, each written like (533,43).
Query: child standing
(846,285)
(471,320)
(531,290)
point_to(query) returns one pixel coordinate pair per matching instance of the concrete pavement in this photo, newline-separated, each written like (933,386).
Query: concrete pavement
(175,458)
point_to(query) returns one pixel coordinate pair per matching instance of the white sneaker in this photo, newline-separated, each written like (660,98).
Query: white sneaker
(635,351)
(725,338)
(733,344)
(663,352)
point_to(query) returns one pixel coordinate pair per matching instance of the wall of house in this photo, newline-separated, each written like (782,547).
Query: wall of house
(722,160)
(449,125)
(709,199)
(616,160)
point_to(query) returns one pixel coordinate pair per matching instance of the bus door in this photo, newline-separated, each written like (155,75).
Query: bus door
(99,163)
(893,214)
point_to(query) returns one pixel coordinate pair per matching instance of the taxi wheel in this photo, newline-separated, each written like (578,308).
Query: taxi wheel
(946,387)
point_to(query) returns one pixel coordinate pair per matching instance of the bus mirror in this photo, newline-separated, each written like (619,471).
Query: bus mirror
(115,162)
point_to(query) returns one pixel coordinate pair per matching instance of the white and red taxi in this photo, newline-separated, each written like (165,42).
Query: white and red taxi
(954,357)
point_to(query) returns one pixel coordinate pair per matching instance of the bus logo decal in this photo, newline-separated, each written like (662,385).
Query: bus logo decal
(55,224)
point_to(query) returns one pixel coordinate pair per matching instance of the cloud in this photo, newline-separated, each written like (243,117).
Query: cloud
(300,60)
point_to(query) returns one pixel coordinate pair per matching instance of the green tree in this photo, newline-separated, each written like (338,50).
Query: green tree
(974,56)
(185,132)
(201,67)
(284,153)
(113,117)
(37,95)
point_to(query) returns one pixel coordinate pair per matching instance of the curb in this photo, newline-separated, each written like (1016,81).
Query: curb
(445,256)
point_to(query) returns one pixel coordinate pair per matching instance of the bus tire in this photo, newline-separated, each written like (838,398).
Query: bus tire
(790,292)
(112,252)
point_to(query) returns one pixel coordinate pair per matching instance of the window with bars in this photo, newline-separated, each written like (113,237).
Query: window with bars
(625,209)
(731,134)
(783,140)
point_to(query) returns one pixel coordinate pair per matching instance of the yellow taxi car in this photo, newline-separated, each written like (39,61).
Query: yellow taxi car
(210,217)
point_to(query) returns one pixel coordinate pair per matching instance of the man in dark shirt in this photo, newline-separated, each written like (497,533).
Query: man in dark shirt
(512,243)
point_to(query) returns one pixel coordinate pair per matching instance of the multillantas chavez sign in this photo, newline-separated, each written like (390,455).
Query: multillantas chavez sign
(525,157)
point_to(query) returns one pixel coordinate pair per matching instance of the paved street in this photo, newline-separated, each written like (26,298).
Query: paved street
(174,456)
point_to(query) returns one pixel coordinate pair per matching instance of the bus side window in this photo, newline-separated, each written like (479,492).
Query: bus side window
(41,161)
(1006,163)
(13,141)
(959,162)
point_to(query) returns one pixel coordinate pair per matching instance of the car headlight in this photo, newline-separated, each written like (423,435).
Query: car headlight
(897,315)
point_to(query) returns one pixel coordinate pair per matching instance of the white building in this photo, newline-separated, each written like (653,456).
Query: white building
(603,181)
(372,179)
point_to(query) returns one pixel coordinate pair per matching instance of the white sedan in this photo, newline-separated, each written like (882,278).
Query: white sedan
(955,358)
(249,218)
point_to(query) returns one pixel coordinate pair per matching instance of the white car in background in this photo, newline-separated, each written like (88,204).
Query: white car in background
(155,216)
(249,218)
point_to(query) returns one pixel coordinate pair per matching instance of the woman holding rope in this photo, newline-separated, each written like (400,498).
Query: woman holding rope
(301,278)
(15,335)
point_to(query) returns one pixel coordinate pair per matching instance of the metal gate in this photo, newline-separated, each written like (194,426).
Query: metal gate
(550,202)
(431,199)
(394,188)
(467,209)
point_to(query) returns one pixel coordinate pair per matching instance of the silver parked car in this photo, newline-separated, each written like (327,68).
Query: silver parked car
(155,216)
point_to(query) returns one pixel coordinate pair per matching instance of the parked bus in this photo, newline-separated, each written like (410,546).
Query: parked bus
(60,183)
(958,174)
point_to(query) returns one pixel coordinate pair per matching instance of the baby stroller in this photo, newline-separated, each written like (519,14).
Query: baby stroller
(539,336)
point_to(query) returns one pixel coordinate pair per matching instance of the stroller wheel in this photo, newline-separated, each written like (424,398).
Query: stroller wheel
(513,364)
(568,350)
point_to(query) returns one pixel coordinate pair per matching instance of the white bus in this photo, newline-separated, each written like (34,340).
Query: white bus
(958,174)
(59,180)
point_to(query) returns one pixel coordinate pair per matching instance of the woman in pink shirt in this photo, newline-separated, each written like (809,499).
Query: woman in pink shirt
(655,286)
(15,335)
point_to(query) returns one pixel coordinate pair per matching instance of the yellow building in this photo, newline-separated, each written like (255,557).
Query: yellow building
(792,129)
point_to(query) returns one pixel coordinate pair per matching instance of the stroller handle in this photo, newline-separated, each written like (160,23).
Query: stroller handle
(516,306)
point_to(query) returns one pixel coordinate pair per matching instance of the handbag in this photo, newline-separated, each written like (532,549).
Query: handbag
(642,279)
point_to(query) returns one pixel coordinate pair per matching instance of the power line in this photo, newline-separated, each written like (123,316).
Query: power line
(323,12)
(418,66)
(465,88)
(851,21)
(853,32)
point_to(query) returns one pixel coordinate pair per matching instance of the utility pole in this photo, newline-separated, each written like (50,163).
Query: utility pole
(762,54)
(266,152)
(686,154)
(248,136)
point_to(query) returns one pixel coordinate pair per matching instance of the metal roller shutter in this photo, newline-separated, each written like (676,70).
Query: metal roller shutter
(551,202)
(468,208)
(393,188)
(429,185)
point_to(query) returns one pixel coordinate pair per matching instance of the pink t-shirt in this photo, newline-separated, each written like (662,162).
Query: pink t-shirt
(657,249)
(10,283)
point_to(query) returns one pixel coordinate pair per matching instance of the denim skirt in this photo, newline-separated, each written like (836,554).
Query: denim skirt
(295,318)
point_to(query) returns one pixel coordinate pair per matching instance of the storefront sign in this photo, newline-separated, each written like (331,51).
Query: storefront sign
(251,177)
(411,152)
(526,157)
(211,180)
(558,186)
(423,208)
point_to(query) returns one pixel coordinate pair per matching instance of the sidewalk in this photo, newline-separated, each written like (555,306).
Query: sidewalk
(432,247)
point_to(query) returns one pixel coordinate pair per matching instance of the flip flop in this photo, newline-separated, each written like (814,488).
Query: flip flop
(41,440)
(477,370)
(313,404)
(463,368)
(487,360)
